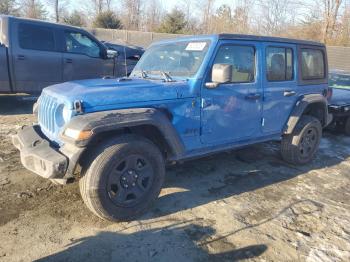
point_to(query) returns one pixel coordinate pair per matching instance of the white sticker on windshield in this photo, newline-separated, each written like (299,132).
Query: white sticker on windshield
(195,46)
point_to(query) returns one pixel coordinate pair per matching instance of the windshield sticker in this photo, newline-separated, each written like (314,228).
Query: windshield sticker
(195,46)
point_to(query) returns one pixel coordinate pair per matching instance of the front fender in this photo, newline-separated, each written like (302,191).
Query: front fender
(100,122)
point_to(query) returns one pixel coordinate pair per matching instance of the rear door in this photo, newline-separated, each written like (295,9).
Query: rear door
(280,85)
(36,60)
(83,57)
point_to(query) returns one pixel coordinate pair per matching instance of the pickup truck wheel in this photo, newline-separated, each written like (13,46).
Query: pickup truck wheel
(124,179)
(347,127)
(301,146)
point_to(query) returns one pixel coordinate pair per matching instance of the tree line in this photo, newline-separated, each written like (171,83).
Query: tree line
(327,21)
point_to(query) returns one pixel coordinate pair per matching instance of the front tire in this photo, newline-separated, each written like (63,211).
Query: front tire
(124,178)
(301,146)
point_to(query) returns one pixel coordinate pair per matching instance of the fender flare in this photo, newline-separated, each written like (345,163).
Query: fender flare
(104,121)
(300,107)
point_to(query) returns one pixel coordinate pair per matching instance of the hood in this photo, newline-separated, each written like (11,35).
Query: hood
(105,92)
(341,96)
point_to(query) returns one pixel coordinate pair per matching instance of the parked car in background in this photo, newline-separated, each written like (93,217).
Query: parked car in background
(127,57)
(340,102)
(35,54)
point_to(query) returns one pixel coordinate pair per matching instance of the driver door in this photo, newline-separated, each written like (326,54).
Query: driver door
(231,112)
(83,57)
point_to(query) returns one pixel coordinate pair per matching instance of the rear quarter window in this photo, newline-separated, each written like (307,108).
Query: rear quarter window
(36,37)
(312,64)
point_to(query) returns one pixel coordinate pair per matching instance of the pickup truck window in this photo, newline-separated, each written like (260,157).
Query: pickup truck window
(79,43)
(279,64)
(312,64)
(36,37)
(242,59)
(181,59)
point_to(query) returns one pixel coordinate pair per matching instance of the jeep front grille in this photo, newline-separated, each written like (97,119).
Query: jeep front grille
(46,114)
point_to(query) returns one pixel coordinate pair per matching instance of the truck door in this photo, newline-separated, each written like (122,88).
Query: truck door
(4,71)
(36,61)
(83,57)
(232,111)
(280,85)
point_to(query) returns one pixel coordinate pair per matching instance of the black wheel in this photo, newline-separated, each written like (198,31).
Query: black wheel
(300,146)
(347,127)
(124,179)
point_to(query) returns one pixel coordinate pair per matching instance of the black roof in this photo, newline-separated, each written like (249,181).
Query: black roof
(268,39)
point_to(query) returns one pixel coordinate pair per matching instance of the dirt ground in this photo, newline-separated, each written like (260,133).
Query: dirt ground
(244,205)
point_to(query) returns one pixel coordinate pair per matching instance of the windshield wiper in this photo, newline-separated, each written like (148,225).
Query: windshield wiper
(143,74)
(166,76)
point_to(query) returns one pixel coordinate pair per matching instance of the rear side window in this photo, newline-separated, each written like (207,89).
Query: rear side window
(312,64)
(242,59)
(36,37)
(279,64)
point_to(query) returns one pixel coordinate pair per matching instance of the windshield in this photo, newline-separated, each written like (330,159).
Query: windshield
(339,80)
(179,59)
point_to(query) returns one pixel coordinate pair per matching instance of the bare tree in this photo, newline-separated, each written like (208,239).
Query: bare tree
(58,7)
(187,6)
(330,15)
(275,15)
(33,9)
(207,6)
(222,22)
(9,7)
(132,14)
(152,15)
(241,16)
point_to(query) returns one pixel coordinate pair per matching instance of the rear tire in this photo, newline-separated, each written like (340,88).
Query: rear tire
(124,178)
(300,147)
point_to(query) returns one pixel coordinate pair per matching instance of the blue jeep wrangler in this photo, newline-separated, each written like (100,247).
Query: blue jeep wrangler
(185,98)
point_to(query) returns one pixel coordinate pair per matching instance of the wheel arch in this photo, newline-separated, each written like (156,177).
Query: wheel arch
(315,105)
(153,124)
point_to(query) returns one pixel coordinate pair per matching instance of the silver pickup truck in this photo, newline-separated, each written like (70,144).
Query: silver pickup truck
(35,54)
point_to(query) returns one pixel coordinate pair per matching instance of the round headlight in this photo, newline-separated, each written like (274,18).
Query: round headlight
(66,113)
(62,115)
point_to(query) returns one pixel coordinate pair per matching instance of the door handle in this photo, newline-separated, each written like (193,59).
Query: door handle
(69,60)
(253,96)
(289,93)
(21,57)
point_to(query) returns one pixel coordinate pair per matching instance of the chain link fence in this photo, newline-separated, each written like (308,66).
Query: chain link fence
(338,56)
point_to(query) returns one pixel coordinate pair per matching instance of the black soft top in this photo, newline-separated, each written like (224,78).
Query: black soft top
(269,39)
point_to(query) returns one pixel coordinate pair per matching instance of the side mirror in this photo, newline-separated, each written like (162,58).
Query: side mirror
(221,73)
(111,54)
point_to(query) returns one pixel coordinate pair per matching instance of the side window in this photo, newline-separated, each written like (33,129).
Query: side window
(242,59)
(79,43)
(36,37)
(279,64)
(312,64)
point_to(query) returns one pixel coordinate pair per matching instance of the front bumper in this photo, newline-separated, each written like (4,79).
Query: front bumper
(40,157)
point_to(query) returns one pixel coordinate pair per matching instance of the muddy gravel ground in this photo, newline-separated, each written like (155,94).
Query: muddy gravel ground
(243,205)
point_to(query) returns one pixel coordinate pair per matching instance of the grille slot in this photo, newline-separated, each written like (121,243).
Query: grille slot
(46,113)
